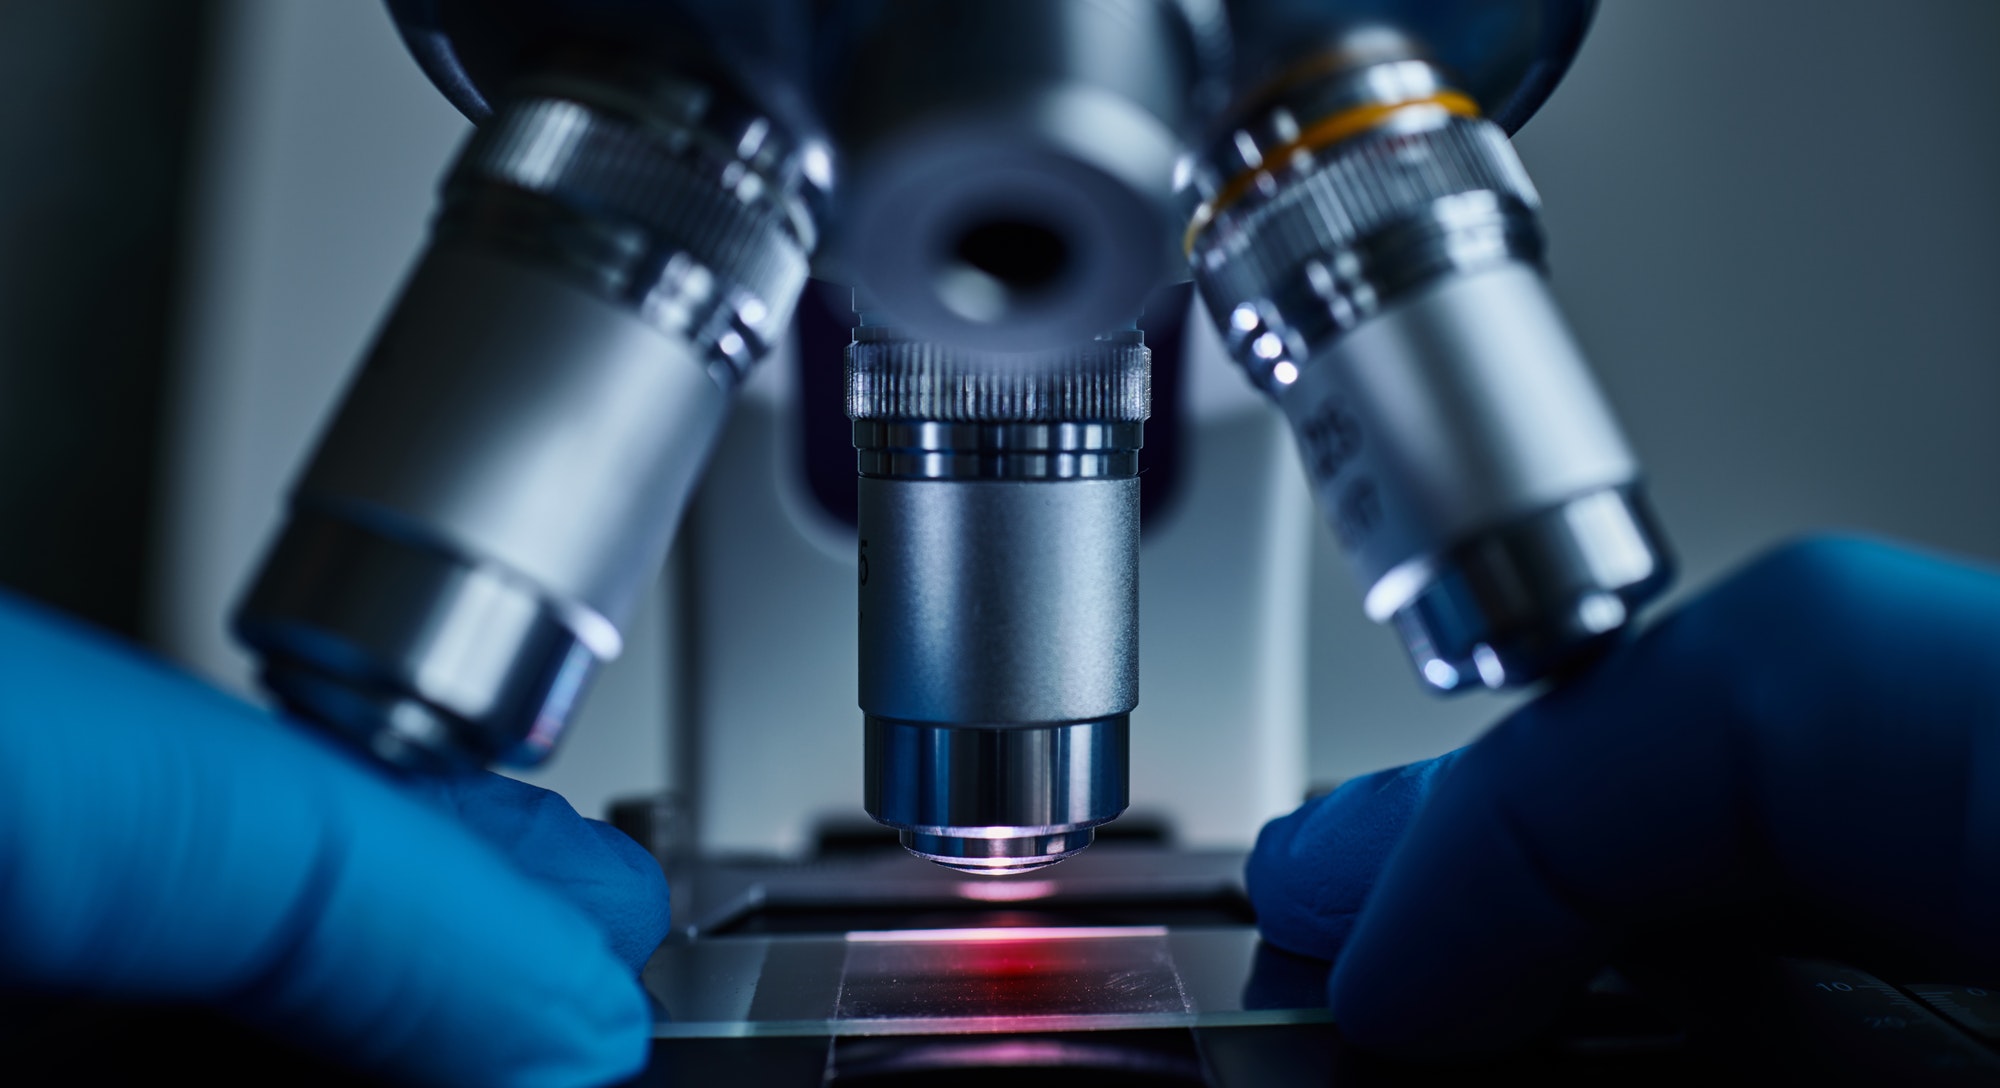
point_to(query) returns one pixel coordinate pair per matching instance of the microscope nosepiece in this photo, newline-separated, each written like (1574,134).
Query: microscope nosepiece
(999,546)
(1008,178)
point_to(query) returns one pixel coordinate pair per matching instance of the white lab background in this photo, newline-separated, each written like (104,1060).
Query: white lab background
(1773,225)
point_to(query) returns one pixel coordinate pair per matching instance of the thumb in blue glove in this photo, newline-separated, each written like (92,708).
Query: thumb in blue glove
(1821,732)
(595,867)
(161,840)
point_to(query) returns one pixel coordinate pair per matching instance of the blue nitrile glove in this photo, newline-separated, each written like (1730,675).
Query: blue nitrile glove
(1820,735)
(161,840)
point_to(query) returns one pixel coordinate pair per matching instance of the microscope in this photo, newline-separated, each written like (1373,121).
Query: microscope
(1002,186)
(998,188)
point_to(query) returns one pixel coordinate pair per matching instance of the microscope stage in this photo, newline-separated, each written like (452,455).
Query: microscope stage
(1138,965)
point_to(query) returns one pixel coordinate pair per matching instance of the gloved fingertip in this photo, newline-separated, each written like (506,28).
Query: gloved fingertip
(597,868)
(1300,906)
(1311,871)
(644,906)
(590,1024)
(485,977)
(1467,947)
(595,1020)
(609,1042)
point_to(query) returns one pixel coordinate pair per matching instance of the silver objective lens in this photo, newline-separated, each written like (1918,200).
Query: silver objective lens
(504,476)
(999,537)
(1370,248)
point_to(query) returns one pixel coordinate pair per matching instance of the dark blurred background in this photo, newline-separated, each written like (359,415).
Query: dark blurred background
(1774,225)
(99,109)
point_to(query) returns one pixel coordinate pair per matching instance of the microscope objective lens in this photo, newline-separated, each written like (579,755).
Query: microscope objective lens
(999,511)
(1370,247)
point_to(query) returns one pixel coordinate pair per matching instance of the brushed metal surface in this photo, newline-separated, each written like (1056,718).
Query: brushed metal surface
(999,602)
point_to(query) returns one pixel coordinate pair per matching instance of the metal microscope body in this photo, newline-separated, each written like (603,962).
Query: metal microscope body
(1003,183)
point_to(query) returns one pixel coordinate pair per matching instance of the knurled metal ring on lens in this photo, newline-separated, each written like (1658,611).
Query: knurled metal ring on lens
(893,377)
(1318,136)
(724,216)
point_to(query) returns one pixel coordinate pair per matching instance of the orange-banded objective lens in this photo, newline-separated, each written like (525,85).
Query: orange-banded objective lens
(1323,133)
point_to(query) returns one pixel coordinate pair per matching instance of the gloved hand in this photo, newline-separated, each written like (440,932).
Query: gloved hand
(161,840)
(1814,743)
